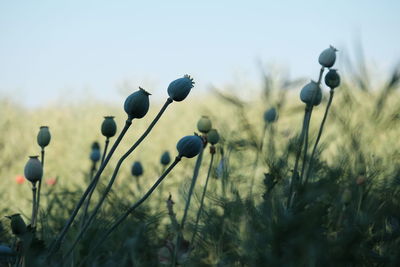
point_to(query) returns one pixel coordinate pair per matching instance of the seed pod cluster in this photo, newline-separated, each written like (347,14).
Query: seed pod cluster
(213,136)
(179,89)
(270,115)
(137,104)
(189,146)
(204,124)
(332,79)
(108,127)
(137,169)
(328,57)
(33,169)
(44,136)
(311,94)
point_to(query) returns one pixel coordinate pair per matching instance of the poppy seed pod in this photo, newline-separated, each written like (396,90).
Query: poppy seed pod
(43,137)
(189,146)
(179,89)
(204,124)
(165,158)
(18,226)
(137,169)
(95,155)
(328,57)
(95,145)
(108,127)
(332,79)
(213,136)
(33,169)
(270,115)
(311,94)
(137,104)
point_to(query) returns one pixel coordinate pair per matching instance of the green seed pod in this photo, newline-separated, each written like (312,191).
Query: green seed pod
(204,124)
(33,169)
(95,155)
(213,136)
(311,94)
(108,127)
(43,137)
(165,158)
(137,169)
(270,115)
(332,79)
(137,104)
(179,89)
(18,226)
(189,146)
(328,57)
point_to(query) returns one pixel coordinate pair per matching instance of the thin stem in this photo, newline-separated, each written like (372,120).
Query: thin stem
(305,147)
(202,199)
(40,182)
(117,167)
(56,244)
(132,208)
(319,136)
(33,219)
(299,149)
(105,149)
(85,210)
(190,193)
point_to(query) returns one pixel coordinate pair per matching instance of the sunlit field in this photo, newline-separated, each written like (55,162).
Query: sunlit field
(258,191)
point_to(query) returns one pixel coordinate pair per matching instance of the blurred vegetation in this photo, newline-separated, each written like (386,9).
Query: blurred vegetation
(348,215)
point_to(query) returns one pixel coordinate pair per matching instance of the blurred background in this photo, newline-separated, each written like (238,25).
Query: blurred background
(64,51)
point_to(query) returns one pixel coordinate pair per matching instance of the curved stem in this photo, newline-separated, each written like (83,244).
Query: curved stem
(105,149)
(319,136)
(132,208)
(202,199)
(112,180)
(56,244)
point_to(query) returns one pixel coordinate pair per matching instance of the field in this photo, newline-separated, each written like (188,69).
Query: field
(257,211)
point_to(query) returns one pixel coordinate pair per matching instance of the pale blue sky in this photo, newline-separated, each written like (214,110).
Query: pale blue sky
(53,48)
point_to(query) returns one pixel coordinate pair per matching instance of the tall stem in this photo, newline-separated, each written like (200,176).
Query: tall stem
(105,149)
(132,208)
(56,244)
(321,128)
(112,180)
(298,153)
(40,183)
(305,146)
(33,219)
(203,196)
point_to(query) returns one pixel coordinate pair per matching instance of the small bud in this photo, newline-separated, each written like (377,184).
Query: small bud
(43,137)
(179,89)
(20,179)
(311,94)
(270,115)
(137,104)
(95,154)
(332,79)
(33,169)
(108,127)
(213,136)
(165,158)
(328,57)
(204,124)
(137,169)
(189,146)
(18,226)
